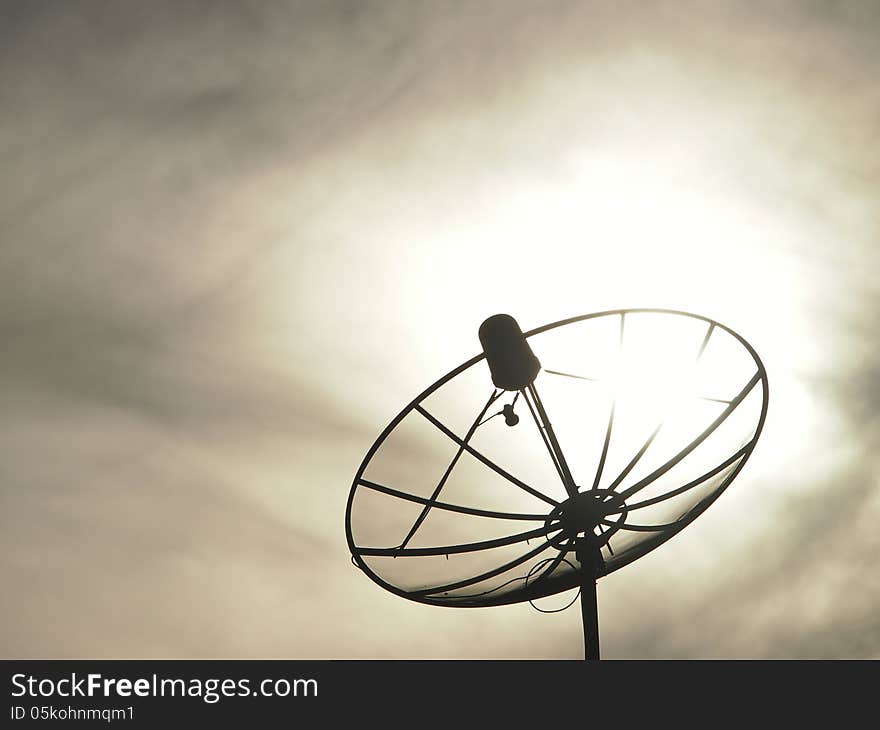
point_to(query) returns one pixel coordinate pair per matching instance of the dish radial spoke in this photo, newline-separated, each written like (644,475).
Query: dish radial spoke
(483,576)
(461,447)
(690,485)
(571,375)
(491,464)
(661,470)
(450,507)
(607,441)
(472,547)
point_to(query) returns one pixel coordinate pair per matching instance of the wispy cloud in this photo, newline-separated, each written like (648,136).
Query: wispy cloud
(236,239)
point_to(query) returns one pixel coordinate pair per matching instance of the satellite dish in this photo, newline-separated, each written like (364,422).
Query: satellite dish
(556,457)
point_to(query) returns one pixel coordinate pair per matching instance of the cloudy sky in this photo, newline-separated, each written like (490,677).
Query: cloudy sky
(236,238)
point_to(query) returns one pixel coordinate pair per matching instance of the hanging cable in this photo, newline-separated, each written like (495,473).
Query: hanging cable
(537,566)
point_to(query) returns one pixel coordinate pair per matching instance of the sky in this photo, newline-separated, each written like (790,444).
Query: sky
(236,238)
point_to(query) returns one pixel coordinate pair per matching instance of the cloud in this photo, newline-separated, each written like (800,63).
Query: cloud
(236,239)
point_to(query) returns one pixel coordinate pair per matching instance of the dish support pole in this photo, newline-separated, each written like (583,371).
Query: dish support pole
(591,560)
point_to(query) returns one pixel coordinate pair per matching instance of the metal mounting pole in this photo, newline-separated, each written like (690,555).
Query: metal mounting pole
(589,558)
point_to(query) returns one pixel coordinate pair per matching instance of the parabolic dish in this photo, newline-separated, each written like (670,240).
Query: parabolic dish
(656,412)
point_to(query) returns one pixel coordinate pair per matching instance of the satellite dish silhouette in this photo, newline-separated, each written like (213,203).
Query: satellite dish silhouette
(585,444)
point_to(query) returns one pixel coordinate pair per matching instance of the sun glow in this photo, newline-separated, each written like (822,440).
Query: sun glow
(619,229)
(607,224)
